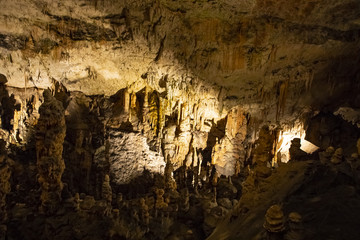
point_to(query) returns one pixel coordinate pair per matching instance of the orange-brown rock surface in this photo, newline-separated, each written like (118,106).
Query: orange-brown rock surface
(50,134)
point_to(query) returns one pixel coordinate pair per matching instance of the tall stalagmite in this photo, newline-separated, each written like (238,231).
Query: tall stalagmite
(5,174)
(50,134)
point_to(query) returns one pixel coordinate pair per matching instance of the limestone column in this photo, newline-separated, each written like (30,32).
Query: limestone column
(50,134)
(5,174)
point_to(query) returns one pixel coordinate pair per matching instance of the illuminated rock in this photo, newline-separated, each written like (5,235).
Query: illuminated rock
(130,155)
(187,82)
(229,150)
(182,142)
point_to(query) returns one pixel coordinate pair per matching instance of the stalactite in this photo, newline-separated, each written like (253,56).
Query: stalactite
(179,112)
(309,77)
(126,101)
(283,91)
(154,112)
(146,104)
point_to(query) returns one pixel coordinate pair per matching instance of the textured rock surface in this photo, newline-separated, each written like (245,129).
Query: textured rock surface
(130,156)
(215,89)
(266,55)
(228,153)
(50,134)
(5,187)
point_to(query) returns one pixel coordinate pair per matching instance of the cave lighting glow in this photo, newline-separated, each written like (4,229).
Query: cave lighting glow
(285,138)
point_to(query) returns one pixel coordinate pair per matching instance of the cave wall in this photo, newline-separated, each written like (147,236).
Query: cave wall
(149,86)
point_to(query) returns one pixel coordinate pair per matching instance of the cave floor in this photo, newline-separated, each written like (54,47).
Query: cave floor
(326,196)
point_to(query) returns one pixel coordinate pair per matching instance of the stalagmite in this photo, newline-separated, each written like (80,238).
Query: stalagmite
(263,152)
(5,187)
(160,204)
(50,134)
(106,192)
(296,228)
(295,152)
(337,156)
(326,155)
(274,222)
(144,212)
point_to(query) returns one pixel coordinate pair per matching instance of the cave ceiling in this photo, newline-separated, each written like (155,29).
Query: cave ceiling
(269,56)
(173,119)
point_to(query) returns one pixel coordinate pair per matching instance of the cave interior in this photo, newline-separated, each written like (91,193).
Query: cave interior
(180,120)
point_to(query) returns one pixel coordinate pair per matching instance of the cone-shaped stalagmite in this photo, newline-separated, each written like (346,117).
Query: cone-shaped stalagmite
(50,134)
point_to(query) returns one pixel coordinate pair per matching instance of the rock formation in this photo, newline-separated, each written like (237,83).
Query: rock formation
(172,118)
(274,222)
(326,155)
(263,152)
(5,187)
(229,151)
(296,228)
(50,134)
(295,152)
(337,157)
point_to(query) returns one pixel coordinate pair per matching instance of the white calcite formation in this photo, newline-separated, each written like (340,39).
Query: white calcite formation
(130,156)
(228,152)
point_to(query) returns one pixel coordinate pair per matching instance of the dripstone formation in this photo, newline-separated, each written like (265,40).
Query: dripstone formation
(5,187)
(50,134)
(159,119)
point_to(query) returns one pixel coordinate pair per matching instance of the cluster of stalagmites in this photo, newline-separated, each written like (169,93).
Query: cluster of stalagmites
(198,179)
(336,157)
(278,227)
(81,133)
